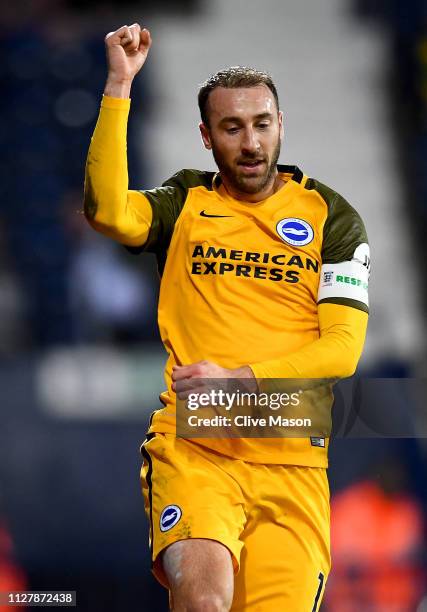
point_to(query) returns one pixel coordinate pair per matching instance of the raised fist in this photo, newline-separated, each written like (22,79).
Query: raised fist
(127,49)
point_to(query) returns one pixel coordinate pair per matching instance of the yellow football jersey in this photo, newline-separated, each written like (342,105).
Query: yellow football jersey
(241,283)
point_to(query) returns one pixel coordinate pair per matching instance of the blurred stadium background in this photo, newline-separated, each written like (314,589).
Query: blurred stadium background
(80,358)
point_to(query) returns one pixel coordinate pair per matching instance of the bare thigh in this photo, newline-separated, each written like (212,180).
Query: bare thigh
(200,575)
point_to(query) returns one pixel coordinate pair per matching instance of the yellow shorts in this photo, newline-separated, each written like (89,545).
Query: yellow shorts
(274,519)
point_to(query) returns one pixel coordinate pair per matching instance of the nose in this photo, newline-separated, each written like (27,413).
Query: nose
(250,142)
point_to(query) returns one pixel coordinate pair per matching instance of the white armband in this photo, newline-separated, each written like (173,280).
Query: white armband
(347,279)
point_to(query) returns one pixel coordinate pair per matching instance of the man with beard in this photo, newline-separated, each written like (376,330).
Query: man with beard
(264,276)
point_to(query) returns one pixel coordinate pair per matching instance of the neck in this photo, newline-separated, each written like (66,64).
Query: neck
(274,184)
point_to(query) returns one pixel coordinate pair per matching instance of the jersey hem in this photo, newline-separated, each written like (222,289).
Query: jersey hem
(285,458)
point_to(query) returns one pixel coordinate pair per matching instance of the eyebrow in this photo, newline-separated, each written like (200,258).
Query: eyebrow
(239,119)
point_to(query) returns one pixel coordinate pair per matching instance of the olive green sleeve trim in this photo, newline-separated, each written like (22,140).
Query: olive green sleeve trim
(167,203)
(344,230)
(345,302)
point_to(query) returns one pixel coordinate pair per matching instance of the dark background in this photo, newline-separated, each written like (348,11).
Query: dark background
(80,357)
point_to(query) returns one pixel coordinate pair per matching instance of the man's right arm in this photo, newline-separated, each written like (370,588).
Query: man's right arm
(110,207)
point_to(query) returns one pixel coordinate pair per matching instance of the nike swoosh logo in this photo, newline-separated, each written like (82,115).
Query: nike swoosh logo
(204,214)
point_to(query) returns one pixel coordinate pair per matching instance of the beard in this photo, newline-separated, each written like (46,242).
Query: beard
(246,183)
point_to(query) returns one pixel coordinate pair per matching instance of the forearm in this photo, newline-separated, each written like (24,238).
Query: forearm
(334,355)
(108,204)
(117,87)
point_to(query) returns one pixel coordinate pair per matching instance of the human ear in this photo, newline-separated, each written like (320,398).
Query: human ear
(204,132)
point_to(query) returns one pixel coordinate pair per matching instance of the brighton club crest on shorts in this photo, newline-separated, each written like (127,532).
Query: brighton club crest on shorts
(294,231)
(170,517)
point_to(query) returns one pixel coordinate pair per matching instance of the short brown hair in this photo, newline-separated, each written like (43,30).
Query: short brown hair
(232,78)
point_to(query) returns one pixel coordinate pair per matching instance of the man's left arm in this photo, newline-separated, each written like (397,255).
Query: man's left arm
(334,355)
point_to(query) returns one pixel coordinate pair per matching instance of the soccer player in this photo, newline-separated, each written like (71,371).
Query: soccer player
(263,275)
